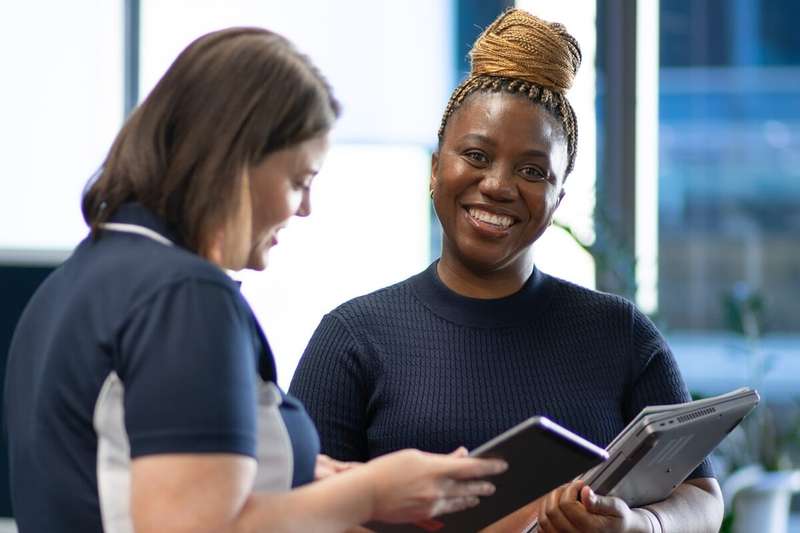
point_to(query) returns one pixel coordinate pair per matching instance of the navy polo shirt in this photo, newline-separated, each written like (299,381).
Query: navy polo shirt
(136,346)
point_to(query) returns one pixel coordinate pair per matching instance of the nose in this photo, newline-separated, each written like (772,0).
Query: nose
(498,185)
(304,209)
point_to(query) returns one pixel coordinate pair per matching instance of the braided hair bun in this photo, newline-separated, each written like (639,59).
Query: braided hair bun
(520,46)
(523,54)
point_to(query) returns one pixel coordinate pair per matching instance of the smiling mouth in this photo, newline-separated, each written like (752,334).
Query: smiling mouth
(499,221)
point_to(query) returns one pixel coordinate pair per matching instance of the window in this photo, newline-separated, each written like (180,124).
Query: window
(61,106)
(369,226)
(729,190)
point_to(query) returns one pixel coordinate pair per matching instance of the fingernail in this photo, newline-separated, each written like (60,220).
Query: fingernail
(472,501)
(500,466)
(487,489)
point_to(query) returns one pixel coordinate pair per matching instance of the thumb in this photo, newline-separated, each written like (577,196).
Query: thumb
(602,505)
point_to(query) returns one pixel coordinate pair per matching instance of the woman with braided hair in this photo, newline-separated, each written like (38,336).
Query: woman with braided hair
(481,340)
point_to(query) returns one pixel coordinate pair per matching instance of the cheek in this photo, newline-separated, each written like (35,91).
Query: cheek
(541,203)
(275,209)
(293,201)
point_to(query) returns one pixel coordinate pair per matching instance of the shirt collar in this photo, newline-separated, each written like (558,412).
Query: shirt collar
(521,307)
(135,213)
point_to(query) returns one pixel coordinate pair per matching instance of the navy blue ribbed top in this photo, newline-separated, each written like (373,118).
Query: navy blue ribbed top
(418,365)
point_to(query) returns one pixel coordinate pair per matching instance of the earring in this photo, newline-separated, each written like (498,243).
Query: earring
(431,194)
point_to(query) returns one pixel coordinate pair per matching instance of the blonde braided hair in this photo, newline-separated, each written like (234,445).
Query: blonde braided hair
(523,54)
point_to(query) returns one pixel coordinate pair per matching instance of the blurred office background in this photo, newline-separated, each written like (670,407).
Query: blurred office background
(685,196)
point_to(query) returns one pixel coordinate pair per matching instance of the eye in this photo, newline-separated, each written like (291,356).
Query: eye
(476,157)
(301,184)
(533,173)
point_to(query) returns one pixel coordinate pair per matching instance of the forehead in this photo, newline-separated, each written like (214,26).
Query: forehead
(506,117)
(301,157)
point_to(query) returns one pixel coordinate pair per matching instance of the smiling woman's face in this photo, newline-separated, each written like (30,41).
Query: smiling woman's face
(497,180)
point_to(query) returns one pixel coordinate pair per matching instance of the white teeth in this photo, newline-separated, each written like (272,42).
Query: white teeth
(502,221)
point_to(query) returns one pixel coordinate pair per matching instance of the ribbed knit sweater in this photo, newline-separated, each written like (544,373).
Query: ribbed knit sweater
(415,365)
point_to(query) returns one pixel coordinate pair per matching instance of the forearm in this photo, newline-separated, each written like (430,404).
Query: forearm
(331,505)
(694,507)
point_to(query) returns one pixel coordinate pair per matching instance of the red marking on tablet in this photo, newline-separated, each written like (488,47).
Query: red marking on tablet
(430,524)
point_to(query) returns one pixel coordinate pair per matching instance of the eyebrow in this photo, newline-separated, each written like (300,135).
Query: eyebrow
(480,138)
(308,171)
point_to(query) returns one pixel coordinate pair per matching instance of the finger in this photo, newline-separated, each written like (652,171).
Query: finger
(461,451)
(553,517)
(570,495)
(453,505)
(467,467)
(469,488)
(602,505)
(340,466)
(574,511)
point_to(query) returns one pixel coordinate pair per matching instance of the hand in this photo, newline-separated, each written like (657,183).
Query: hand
(327,466)
(411,485)
(563,512)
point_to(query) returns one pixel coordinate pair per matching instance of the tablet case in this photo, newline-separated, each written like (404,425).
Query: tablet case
(664,444)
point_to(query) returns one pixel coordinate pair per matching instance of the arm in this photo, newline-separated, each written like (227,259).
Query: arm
(332,381)
(211,493)
(696,505)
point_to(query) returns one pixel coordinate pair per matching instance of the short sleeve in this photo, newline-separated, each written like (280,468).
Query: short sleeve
(329,381)
(187,361)
(657,379)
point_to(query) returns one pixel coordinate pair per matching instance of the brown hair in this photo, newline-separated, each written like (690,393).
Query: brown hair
(230,98)
(523,54)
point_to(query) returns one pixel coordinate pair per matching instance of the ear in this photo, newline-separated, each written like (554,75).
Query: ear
(561,195)
(434,170)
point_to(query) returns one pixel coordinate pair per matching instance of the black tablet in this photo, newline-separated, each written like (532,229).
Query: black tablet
(541,456)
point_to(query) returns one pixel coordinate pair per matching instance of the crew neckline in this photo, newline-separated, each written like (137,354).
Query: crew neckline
(518,308)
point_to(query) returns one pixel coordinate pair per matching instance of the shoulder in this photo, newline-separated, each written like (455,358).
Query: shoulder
(571,296)
(114,278)
(576,308)
(383,302)
(147,266)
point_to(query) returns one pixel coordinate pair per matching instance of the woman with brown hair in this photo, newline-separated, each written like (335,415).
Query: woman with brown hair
(482,339)
(141,392)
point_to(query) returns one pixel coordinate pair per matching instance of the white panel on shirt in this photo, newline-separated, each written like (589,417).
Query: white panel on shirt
(275,460)
(113,457)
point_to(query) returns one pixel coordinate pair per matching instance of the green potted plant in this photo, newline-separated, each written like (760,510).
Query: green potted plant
(760,456)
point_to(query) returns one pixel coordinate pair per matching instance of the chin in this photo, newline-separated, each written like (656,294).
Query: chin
(258,266)
(257,260)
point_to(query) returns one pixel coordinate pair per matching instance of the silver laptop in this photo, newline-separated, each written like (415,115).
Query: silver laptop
(664,444)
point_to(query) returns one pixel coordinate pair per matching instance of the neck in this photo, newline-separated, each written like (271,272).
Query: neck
(473,283)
